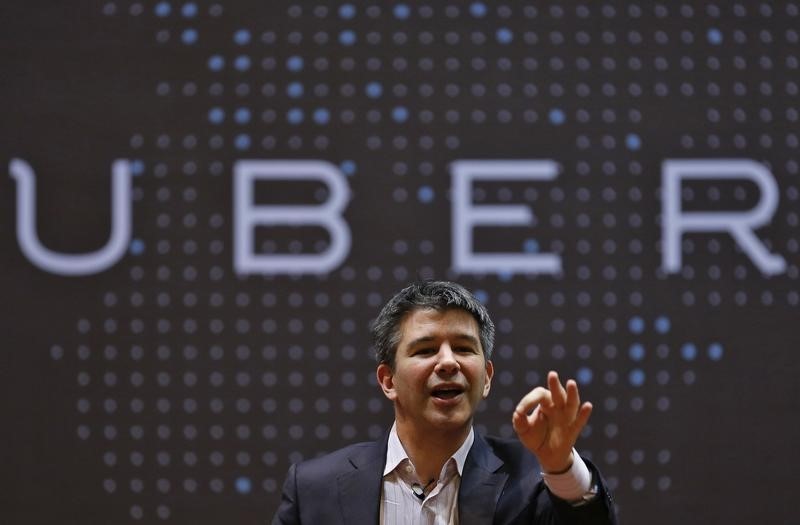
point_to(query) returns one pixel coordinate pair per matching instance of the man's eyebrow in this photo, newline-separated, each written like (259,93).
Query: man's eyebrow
(427,339)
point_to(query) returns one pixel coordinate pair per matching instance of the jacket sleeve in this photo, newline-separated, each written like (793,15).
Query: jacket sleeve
(288,512)
(600,510)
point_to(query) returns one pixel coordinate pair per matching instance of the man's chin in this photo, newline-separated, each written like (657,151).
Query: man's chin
(452,421)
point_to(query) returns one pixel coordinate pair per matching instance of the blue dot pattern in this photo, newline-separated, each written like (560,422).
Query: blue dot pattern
(391,94)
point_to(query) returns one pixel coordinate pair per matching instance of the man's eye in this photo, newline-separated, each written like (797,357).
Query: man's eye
(465,350)
(424,351)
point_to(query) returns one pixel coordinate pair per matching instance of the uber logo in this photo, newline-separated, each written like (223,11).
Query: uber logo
(466,216)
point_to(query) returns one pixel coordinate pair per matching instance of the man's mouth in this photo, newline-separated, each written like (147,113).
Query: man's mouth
(446,392)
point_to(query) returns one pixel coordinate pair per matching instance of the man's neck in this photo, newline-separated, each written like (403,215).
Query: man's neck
(429,449)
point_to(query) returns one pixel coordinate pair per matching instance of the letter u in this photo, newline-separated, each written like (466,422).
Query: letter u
(73,264)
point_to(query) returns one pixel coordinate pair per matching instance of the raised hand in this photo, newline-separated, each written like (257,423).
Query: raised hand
(549,420)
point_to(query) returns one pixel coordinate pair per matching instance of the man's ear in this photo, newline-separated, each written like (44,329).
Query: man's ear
(386,380)
(489,374)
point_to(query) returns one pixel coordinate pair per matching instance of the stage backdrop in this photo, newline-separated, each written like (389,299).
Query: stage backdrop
(204,204)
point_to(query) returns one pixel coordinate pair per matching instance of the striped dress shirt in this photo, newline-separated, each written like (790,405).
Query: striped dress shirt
(399,505)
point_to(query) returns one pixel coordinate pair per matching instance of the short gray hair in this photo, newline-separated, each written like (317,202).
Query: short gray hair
(437,295)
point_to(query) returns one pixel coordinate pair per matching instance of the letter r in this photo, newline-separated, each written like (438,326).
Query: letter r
(740,224)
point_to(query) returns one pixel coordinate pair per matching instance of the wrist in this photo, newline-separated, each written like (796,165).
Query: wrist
(575,486)
(556,468)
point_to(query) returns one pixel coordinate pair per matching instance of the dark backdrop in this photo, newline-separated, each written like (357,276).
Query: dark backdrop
(167,387)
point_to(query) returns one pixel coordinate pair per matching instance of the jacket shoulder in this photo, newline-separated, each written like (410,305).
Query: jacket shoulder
(329,466)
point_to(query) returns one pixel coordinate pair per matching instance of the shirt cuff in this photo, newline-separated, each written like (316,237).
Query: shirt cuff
(573,484)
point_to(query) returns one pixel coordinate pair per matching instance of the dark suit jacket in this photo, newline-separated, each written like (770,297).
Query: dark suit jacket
(500,485)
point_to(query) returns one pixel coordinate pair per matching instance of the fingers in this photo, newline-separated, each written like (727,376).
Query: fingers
(548,421)
(533,429)
(537,396)
(573,397)
(583,417)
(557,391)
(522,422)
(555,399)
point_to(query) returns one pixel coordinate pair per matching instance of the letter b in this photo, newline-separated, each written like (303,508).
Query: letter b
(248,215)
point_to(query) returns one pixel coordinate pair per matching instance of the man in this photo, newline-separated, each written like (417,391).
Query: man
(434,342)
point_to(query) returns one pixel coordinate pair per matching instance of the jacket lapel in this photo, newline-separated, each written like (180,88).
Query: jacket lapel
(481,484)
(360,488)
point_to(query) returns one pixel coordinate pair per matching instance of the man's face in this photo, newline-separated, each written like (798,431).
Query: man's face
(440,373)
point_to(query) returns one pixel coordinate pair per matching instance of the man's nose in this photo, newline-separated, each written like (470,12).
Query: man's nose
(447,362)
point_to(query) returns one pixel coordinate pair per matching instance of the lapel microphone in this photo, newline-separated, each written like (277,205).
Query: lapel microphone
(419,490)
